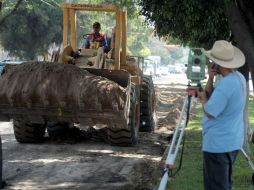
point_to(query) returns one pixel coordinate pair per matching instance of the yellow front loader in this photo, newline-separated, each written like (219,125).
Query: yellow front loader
(111,91)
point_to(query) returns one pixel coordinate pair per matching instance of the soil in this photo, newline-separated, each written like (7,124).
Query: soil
(92,164)
(169,105)
(59,85)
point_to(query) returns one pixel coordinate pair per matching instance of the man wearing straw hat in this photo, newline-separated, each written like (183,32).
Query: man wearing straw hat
(223,106)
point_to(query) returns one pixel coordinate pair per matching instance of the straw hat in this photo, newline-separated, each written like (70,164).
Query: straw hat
(226,55)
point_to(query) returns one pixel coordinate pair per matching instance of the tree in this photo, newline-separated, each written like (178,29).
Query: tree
(199,23)
(31,28)
(10,13)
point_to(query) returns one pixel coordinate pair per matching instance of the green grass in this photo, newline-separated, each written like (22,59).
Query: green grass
(190,176)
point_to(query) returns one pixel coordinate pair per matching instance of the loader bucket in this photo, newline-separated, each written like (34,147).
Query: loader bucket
(50,92)
(118,76)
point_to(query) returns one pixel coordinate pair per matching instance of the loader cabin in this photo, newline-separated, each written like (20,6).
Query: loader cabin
(70,15)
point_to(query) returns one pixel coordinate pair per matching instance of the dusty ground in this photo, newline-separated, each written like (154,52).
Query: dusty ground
(93,165)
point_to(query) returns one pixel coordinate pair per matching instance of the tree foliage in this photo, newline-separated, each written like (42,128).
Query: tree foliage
(10,13)
(199,23)
(35,25)
(31,28)
(192,22)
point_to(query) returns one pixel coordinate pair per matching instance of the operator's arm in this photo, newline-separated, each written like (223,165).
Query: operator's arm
(203,98)
(105,42)
(209,85)
(87,42)
(216,103)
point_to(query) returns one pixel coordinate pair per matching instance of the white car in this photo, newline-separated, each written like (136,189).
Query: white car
(149,70)
(8,62)
(163,71)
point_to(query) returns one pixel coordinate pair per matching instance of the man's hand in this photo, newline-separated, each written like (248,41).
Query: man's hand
(202,96)
(212,73)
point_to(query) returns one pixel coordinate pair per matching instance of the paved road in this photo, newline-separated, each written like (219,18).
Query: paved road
(85,165)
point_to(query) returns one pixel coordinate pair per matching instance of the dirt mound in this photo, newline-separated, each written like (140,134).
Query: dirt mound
(59,85)
(169,105)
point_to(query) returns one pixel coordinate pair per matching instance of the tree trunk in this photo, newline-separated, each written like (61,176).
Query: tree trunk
(242,35)
(244,39)
(247,130)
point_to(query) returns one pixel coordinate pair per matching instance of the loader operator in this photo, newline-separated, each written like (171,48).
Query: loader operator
(223,106)
(96,39)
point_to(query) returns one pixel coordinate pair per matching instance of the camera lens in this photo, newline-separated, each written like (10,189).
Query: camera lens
(196,61)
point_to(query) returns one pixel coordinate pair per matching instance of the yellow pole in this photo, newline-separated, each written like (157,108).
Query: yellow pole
(124,37)
(73,29)
(117,40)
(65,26)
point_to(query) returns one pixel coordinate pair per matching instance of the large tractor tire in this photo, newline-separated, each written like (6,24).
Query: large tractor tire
(147,105)
(26,132)
(127,137)
(1,163)
(57,129)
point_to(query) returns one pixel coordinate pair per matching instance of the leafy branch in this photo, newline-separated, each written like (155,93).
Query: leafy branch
(8,15)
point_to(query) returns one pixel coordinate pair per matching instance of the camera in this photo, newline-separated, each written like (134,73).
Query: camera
(196,66)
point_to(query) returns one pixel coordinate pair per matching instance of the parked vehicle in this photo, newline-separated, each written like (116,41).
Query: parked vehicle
(8,62)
